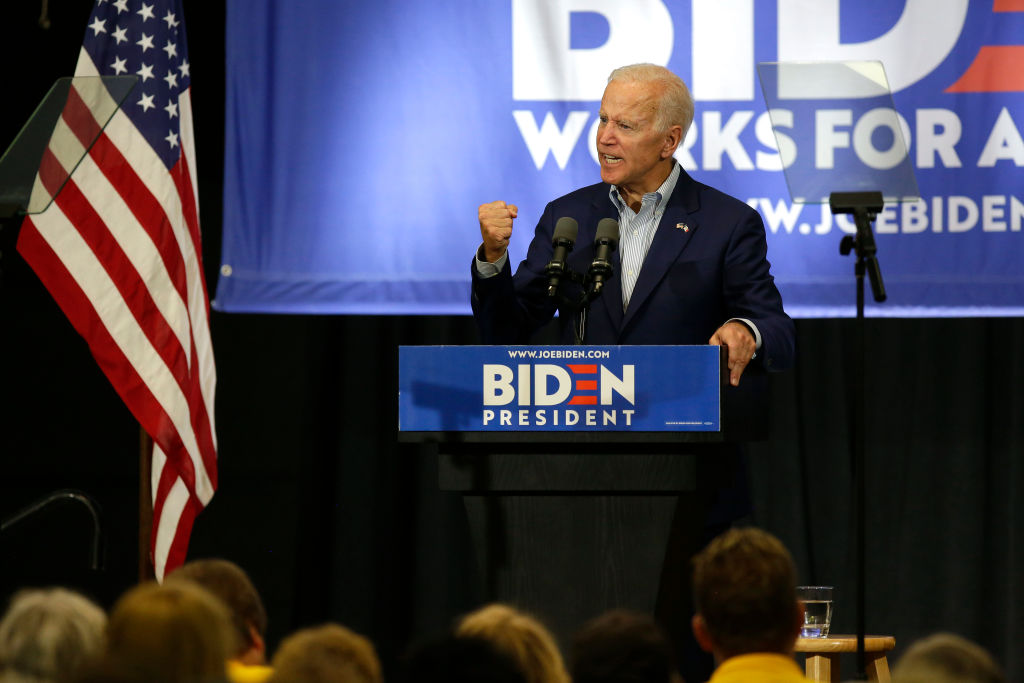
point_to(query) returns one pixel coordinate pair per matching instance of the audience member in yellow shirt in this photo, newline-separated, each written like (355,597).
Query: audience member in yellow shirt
(748,615)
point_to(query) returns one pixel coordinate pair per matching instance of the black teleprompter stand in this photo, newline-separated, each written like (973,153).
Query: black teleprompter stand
(864,206)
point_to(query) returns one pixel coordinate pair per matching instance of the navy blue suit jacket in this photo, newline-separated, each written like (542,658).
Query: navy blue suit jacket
(707,264)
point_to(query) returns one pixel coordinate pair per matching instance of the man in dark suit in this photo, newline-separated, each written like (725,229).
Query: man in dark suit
(691,268)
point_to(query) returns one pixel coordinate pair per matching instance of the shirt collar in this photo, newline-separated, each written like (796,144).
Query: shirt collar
(664,191)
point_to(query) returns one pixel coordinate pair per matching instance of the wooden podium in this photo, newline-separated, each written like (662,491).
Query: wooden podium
(569,523)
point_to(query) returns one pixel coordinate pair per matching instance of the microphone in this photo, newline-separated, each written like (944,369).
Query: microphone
(605,243)
(563,240)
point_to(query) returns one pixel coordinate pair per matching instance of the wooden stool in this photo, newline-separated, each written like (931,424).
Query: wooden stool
(823,656)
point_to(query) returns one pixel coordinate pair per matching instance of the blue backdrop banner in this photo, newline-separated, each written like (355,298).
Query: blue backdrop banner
(361,137)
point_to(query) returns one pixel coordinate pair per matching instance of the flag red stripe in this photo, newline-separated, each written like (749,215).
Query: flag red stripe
(121,373)
(80,119)
(583,401)
(51,172)
(179,546)
(201,420)
(183,182)
(167,478)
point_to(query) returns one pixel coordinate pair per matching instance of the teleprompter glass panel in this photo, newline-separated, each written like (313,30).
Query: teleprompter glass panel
(837,130)
(20,189)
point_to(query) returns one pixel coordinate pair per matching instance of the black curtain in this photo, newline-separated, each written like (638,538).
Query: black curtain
(336,520)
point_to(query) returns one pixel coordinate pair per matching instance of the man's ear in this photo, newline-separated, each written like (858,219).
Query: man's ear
(673,138)
(258,644)
(256,653)
(700,632)
(798,618)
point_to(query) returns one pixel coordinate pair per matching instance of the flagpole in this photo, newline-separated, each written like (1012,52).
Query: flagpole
(146,571)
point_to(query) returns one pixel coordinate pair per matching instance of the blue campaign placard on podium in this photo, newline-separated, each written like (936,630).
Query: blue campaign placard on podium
(559,389)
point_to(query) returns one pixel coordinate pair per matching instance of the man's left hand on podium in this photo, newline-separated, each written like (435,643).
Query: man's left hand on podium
(738,338)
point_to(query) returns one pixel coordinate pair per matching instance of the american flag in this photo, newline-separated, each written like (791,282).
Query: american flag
(119,250)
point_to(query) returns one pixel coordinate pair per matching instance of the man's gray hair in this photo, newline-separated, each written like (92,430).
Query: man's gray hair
(47,635)
(675,105)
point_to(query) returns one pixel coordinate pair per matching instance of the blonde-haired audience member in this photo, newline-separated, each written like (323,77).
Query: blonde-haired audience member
(174,633)
(47,635)
(946,658)
(521,637)
(325,654)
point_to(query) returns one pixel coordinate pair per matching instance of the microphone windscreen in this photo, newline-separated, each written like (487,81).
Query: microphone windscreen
(566,229)
(607,229)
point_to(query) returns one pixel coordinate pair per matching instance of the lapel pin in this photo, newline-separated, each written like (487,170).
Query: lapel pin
(683,226)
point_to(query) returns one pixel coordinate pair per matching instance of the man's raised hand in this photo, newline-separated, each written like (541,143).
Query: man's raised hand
(496,227)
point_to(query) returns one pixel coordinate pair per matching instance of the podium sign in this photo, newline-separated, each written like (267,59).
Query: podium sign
(560,389)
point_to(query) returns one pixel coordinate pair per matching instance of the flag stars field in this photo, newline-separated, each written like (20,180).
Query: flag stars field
(145,39)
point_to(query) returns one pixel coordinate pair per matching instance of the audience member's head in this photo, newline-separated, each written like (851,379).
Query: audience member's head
(744,586)
(326,654)
(460,659)
(47,635)
(175,633)
(946,658)
(521,637)
(231,584)
(622,647)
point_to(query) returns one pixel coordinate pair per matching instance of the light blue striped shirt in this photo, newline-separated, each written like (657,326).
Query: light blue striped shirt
(637,228)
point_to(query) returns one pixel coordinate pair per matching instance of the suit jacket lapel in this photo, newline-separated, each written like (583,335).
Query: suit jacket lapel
(675,231)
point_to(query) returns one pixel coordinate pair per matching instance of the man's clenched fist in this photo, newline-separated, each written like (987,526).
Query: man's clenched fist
(496,227)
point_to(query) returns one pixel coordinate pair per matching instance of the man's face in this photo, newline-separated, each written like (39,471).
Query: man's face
(629,146)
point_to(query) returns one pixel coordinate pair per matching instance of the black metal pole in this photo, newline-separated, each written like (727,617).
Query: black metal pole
(864,206)
(859,480)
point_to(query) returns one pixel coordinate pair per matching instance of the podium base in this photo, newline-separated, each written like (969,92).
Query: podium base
(568,558)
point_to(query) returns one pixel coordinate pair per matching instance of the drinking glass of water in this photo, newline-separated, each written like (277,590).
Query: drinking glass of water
(817,602)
